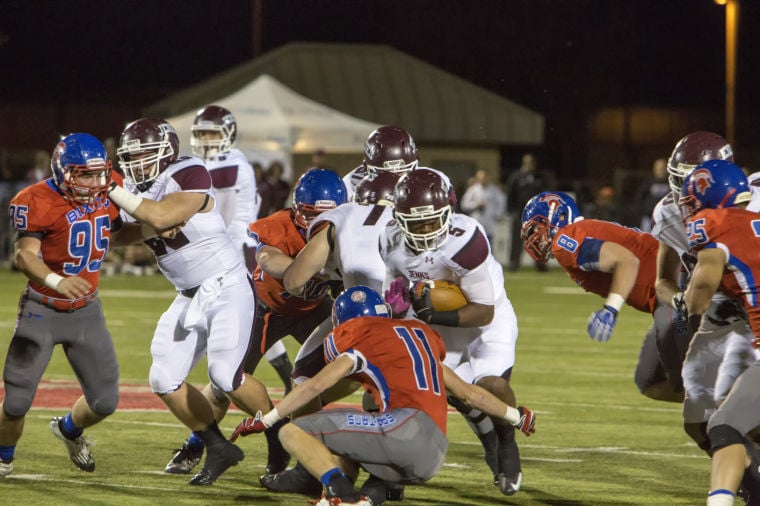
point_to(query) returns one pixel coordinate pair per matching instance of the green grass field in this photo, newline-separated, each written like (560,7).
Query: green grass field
(598,441)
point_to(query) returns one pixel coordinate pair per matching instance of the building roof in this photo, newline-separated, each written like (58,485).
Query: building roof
(380,84)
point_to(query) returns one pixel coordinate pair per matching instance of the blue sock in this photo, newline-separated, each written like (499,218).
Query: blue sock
(328,476)
(68,428)
(6,453)
(195,442)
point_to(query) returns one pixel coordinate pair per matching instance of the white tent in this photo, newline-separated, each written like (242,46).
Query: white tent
(274,122)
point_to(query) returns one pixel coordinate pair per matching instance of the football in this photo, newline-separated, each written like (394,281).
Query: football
(444,295)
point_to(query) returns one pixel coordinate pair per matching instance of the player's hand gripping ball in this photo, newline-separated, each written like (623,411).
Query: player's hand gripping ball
(444,295)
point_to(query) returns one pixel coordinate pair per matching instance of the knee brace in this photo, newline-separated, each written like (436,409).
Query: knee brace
(724,435)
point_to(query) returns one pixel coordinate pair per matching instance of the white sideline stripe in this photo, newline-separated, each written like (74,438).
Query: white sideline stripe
(45,477)
(622,450)
(563,290)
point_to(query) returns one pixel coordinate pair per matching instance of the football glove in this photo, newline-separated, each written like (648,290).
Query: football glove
(421,303)
(527,423)
(251,425)
(397,297)
(679,304)
(602,323)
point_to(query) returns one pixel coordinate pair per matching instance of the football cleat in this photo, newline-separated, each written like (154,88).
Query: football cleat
(6,467)
(184,460)
(219,458)
(79,448)
(509,485)
(295,481)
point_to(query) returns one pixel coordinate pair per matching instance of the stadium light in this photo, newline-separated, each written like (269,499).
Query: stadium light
(732,42)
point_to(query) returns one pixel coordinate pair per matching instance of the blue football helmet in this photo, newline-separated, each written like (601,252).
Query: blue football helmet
(79,156)
(358,301)
(317,190)
(714,185)
(542,217)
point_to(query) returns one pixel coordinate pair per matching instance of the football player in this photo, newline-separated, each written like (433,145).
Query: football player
(719,350)
(387,149)
(617,263)
(212,314)
(64,226)
(725,238)
(400,364)
(428,241)
(342,244)
(214,131)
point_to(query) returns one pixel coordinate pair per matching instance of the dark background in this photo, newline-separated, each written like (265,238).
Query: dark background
(64,59)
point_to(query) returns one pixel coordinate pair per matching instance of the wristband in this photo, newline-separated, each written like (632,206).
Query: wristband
(271,418)
(129,202)
(446,318)
(615,301)
(512,415)
(52,280)
(147,231)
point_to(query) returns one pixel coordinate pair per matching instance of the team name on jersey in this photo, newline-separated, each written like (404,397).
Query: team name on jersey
(418,275)
(370,421)
(85,209)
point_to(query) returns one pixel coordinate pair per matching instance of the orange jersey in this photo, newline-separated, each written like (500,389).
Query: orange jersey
(567,245)
(737,233)
(399,362)
(279,231)
(74,237)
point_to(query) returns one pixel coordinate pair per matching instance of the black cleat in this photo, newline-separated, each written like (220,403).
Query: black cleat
(295,481)
(219,458)
(509,485)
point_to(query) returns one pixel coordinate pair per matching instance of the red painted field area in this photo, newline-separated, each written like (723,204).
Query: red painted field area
(63,394)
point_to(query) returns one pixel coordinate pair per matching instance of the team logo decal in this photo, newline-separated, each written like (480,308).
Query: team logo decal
(702,180)
(358,296)
(552,199)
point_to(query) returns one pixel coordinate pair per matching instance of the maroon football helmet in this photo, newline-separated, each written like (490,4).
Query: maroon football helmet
(422,209)
(376,188)
(695,148)
(213,118)
(390,148)
(146,147)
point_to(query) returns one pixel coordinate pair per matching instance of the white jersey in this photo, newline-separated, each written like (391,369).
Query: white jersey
(668,226)
(352,179)
(202,249)
(355,252)
(465,259)
(236,197)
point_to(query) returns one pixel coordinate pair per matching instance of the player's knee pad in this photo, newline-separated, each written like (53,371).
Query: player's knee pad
(105,405)
(223,377)
(698,409)
(161,381)
(16,406)
(724,435)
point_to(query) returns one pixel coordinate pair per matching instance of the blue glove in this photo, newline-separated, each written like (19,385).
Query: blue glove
(602,323)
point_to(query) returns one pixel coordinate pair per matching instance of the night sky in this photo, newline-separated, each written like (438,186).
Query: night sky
(559,57)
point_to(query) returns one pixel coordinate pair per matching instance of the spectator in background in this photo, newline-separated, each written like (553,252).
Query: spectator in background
(604,206)
(484,201)
(521,186)
(319,160)
(650,191)
(274,190)
(41,168)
